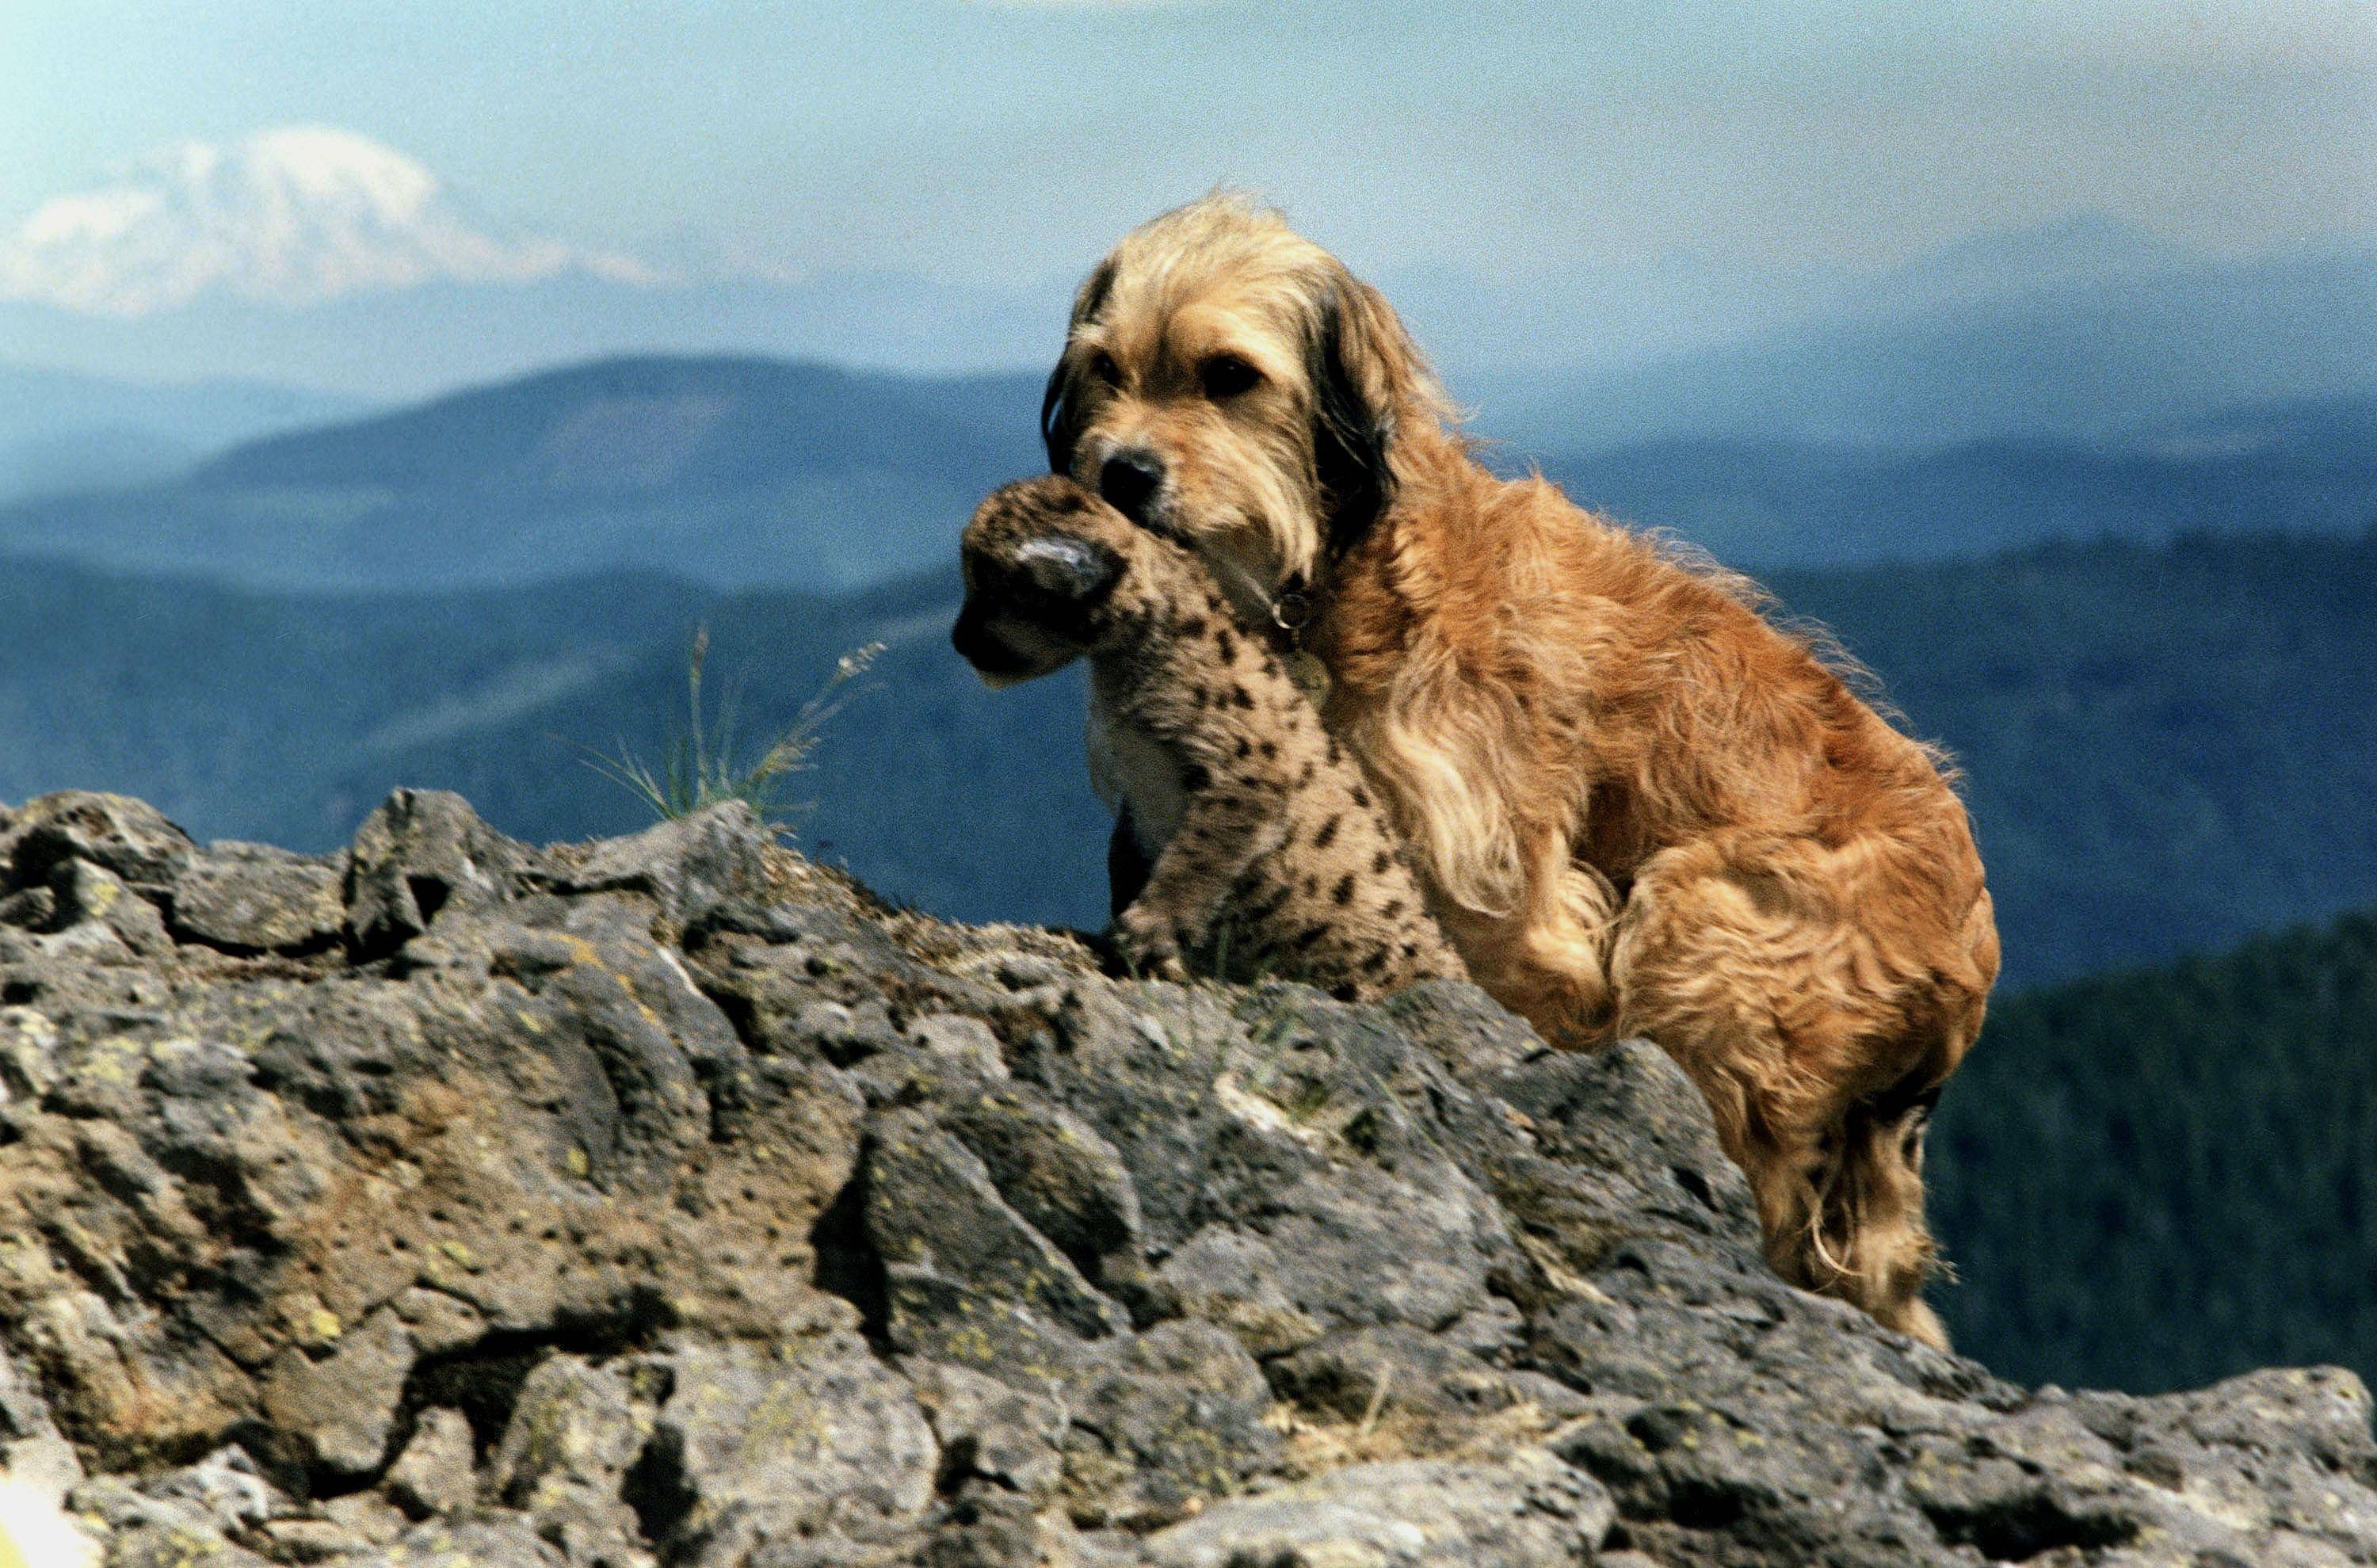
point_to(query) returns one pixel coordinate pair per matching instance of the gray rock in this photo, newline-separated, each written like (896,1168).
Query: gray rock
(82,892)
(339,1400)
(127,837)
(966,1044)
(931,1208)
(755,1447)
(29,909)
(363,1524)
(225,1488)
(686,866)
(573,1423)
(672,1201)
(24,1414)
(1168,1421)
(1368,1374)
(1415,1513)
(308,1541)
(1052,1168)
(990,1432)
(433,1476)
(473,1543)
(145,1528)
(250,898)
(419,853)
(1228,1277)
(577,1431)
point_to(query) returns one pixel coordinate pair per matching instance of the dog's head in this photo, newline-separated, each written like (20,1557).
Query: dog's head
(1042,560)
(1228,383)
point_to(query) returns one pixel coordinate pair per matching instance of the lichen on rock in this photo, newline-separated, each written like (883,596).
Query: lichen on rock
(670,1201)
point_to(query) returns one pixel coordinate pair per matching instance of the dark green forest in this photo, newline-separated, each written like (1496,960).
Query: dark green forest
(2168,1176)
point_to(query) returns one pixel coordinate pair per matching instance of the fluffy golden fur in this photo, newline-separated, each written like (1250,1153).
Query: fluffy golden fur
(1636,806)
(1267,853)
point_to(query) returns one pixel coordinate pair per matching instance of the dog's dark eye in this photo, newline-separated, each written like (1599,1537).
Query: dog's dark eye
(1227,376)
(1102,367)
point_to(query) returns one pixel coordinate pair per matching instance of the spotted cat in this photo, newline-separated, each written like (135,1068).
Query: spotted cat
(1268,855)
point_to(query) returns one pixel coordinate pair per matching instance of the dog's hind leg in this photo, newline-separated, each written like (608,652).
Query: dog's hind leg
(1875,1205)
(1813,1048)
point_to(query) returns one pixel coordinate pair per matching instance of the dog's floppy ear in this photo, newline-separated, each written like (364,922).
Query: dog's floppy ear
(1058,429)
(1352,350)
(1059,424)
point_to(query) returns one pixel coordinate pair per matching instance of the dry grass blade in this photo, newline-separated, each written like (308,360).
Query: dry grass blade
(700,767)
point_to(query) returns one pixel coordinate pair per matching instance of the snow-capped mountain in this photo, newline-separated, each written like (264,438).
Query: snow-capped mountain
(292,217)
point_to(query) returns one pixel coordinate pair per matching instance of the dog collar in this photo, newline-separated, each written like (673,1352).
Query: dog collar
(1292,610)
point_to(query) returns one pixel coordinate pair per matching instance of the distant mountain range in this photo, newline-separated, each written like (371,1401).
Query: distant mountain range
(61,432)
(742,473)
(1779,414)
(2167,750)
(729,472)
(2070,357)
(1769,502)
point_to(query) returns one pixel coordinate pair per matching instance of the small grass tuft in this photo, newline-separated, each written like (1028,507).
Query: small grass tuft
(702,765)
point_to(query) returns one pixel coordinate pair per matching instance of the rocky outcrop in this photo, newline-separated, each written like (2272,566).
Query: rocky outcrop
(670,1201)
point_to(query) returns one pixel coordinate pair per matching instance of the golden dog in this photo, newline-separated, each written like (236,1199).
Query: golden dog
(1637,807)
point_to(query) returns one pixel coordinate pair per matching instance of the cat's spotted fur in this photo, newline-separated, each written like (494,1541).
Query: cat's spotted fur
(1268,854)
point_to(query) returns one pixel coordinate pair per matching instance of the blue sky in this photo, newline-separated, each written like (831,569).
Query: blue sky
(963,138)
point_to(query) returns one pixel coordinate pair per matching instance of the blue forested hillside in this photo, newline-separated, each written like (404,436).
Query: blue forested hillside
(2165,750)
(2169,1176)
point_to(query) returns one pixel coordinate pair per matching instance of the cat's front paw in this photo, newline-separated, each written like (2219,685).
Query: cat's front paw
(1149,945)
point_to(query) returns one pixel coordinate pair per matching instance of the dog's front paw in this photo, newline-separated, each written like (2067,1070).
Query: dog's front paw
(1149,945)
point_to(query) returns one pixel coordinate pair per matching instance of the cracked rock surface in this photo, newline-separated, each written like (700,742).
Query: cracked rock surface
(671,1202)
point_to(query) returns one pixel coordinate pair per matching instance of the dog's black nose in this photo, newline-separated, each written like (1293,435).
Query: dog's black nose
(1129,482)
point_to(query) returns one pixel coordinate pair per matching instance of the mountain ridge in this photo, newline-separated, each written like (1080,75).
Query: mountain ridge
(2075,360)
(316,255)
(732,470)
(749,471)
